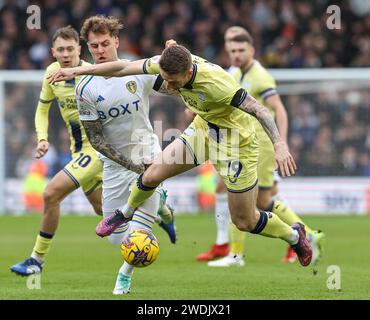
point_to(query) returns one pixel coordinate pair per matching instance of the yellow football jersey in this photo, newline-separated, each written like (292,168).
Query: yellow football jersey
(214,95)
(64,93)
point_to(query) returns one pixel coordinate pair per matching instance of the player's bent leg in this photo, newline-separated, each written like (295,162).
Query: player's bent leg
(56,190)
(287,215)
(171,162)
(265,202)
(243,209)
(95,199)
(162,168)
(267,224)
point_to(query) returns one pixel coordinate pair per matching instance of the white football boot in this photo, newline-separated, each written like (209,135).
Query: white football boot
(123,284)
(231,260)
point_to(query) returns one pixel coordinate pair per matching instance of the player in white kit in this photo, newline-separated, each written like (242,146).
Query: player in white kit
(115,115)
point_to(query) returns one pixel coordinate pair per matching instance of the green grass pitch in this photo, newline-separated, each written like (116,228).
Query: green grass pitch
(82,266)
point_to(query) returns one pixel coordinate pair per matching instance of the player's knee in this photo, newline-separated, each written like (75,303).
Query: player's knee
(151,177)
(51,196)
(243,226)
(247,223)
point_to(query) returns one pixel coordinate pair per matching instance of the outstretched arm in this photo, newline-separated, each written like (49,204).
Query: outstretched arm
(119,68)
(275,103)
(283,158)
(94,131)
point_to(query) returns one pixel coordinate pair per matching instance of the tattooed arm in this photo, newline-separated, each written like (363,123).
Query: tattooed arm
(94,132)
(283,158)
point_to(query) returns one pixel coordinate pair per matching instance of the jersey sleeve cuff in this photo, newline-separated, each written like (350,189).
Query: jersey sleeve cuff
(145,70)
(158,83)
(239,98)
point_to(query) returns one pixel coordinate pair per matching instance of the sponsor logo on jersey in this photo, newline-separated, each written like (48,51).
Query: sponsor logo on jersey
(131,86)
(100,99)
(120,110)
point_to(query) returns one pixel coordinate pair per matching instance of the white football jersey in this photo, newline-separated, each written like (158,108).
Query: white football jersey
(122,105)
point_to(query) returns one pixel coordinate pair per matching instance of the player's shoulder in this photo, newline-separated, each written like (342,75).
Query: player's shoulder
(85,85)
(261,70)
(213,71)
(233,70)
(215,81)
(52,67)
(198,60)
(209,69)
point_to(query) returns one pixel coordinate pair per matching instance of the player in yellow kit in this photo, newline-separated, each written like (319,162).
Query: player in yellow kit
(84,170)
(223,132)
(260,84)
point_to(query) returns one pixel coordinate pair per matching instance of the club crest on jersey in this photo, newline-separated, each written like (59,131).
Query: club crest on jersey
(131,86)
(202,96)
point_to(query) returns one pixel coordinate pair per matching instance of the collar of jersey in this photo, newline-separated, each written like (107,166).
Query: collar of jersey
(189,84)
(246,71)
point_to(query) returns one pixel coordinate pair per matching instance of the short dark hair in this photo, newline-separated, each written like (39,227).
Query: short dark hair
(101,24)
(243,38)
(65,33)
(175,59)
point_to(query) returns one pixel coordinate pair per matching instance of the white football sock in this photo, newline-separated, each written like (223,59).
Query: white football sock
(38,257)
(126,269)
(222,216)
(141,221)
(294,237)
(119,233)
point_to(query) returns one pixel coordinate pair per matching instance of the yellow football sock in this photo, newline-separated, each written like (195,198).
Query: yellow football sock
(237,239)
(269,225)
(139,194)
(287,214)
(42,245)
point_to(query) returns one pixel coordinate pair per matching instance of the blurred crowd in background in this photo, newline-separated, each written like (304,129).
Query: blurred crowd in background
(329,134)
(287,33)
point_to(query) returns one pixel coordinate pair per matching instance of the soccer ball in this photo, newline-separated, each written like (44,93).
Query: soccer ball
(140,248)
